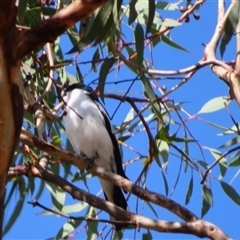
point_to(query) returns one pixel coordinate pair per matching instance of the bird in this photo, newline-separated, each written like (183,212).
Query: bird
(91,134)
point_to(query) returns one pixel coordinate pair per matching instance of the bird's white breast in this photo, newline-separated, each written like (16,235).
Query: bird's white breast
(85,128)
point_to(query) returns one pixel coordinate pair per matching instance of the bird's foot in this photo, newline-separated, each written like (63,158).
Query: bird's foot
(89,159)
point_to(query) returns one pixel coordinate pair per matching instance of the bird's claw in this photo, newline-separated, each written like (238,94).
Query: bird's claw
(89,159)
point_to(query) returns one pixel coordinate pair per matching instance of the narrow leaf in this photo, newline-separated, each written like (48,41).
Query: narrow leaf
(133,13)
(67,228)
(151,14)
(231,192)
(106,66)
(57,195)
(235,163)
(189,191)
(151,208)
(173,44)
(139,38)
(206,199)
(92,226)
(165,183)
(214,104)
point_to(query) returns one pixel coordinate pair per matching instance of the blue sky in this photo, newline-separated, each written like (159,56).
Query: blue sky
(200,89)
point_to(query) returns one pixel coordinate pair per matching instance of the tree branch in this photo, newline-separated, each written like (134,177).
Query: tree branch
(32,141)
(198,227)
(48,30)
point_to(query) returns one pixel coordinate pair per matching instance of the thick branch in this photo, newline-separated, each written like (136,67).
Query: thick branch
(198,228)
(48,30)
(32,141)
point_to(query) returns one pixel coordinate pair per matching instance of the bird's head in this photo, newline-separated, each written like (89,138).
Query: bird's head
(82,87)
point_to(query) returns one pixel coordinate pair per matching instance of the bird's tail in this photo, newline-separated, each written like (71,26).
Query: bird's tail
(115,195)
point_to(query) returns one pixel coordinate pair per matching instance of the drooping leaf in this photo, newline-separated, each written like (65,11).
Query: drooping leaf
(164,151)
(133,13)
(151,14)
(79,74)
(139,38)
(231,192)
(92,226)
(151,208)
(229,27)
(165,183)
(177,179)
(206,199)
(189,191)
(95,58)
(57,196)
(106,66)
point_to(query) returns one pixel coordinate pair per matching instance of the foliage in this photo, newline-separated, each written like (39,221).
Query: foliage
(122,42)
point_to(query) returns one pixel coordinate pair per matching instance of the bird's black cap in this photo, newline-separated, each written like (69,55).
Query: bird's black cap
(90,91)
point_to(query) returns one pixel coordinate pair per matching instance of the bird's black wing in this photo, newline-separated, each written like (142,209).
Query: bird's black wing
(116,150)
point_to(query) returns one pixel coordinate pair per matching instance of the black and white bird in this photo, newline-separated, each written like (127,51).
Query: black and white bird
(90,132)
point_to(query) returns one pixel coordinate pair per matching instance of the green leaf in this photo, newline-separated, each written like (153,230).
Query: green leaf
(231,192)
(189,191)
(92,226)
(21,9)
(79,74)
(17,208)
(164,151)
(206,199)
(99,24)
(106,66)
(177,179)
(133,13)
(67,228)
(214,104)
(231,142)
(76,207)
(173,44)
(165,183)
(73,35)
(151,15)
(163,133)
(222,163)
(118,234)
(235,163)
(139,38)
(229,27)
(151,208)
(57,195)
(40,190)
(167,5)
(95,58)
(31,184)
(147,236)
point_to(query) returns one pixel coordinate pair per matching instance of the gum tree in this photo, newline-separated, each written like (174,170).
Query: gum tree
(109,37)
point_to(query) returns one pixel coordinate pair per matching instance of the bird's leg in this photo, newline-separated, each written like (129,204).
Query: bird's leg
(89,159)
